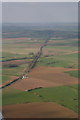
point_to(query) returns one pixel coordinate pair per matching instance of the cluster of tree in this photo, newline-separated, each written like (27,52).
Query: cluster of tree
(11,65)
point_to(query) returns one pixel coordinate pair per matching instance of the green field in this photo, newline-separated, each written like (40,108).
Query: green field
(6,56)
(68,61)
(74,73)
(66,96)
(13,71)
(8,69)
(61,51)
(5,78)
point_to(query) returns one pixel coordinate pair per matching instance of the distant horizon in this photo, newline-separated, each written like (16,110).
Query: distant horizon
(39,23)
(40,12)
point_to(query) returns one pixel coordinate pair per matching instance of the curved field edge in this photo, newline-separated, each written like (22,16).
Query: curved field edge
(66,96)
(66,61)
(74,73)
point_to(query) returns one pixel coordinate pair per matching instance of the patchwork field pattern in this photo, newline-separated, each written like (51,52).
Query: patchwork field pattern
(49,82)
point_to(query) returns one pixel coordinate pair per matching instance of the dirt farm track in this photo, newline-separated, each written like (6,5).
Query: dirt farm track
(46,77)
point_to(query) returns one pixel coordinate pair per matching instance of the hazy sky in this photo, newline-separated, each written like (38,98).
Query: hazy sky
(26,12)
(39,0)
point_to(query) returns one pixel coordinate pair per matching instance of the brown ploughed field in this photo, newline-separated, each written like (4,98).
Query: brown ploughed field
(38,110)
(46,77)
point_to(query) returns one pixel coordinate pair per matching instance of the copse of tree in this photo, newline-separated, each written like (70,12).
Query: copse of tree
(11,65)
(31,53)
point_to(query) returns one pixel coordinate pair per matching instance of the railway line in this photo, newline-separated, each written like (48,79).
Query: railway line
(29,67)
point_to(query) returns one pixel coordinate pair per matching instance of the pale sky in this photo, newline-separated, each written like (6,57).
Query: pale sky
(39,0)
(0,12)
(40,12)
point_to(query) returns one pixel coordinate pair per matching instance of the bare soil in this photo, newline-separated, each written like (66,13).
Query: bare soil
(17,62)
(24,38)
(54,51)
(46,77)
(37,110)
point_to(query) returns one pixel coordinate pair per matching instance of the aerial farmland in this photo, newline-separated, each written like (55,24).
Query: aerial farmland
(53,76)
(40,67)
